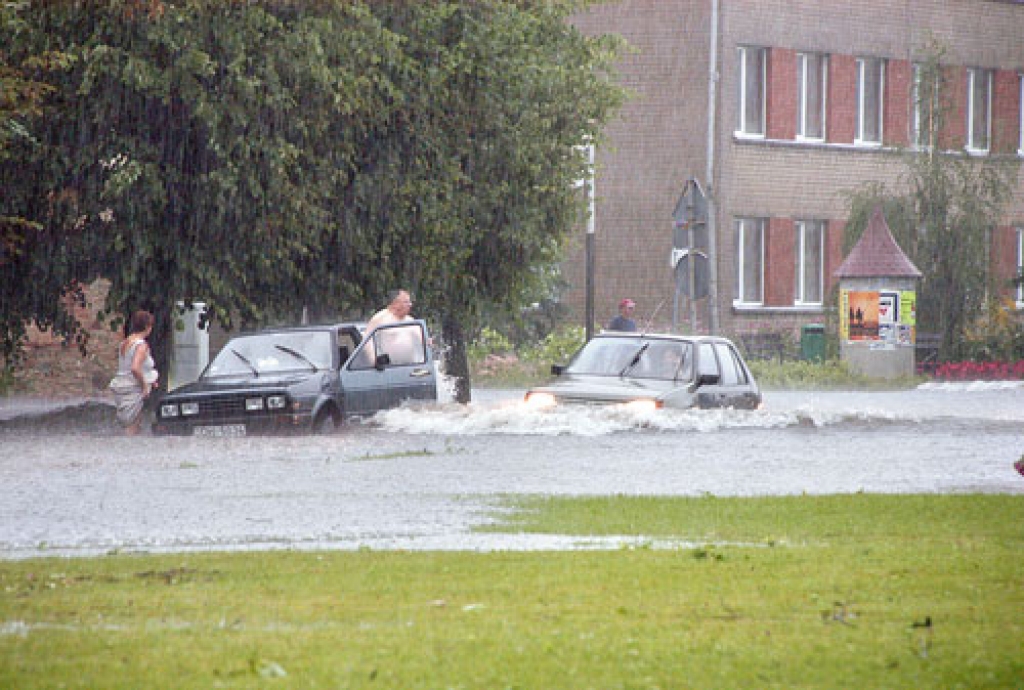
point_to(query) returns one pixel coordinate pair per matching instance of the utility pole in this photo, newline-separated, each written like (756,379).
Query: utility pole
(591,227)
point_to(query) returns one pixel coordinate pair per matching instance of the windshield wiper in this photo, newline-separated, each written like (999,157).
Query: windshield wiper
(635,360)
(297,355)
(236,353)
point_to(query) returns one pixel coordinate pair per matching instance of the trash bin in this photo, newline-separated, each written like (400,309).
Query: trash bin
(812,342)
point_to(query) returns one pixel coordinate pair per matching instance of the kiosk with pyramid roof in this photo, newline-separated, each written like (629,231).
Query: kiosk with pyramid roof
(878,304)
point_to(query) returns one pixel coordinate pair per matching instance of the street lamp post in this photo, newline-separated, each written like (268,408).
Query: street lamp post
(589,247)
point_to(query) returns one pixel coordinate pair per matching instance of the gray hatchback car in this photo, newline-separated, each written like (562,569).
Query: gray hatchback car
(652,371)
(308,378)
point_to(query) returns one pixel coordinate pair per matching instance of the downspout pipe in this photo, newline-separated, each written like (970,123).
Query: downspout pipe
(709,175)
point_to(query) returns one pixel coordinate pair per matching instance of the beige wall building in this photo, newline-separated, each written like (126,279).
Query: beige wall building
(806,100)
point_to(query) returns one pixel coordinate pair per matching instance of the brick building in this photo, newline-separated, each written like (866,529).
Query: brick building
(809,100)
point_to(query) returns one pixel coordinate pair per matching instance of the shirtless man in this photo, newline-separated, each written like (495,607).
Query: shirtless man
(398,309)
(405,345)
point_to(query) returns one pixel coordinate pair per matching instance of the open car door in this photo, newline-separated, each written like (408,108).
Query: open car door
(392,364)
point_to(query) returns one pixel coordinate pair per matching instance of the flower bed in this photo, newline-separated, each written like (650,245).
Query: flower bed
(975,371)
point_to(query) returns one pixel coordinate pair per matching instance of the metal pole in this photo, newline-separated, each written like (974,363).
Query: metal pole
(589,326)
(589,310)
(692,278)
(709,176)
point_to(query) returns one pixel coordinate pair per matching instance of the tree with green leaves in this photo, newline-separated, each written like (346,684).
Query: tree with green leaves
(941,213)
(272,157)
(23,92)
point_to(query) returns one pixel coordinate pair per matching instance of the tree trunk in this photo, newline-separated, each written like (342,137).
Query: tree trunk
(456,363)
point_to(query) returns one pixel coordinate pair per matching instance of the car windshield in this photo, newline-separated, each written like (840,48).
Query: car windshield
(635,358)
(271,353)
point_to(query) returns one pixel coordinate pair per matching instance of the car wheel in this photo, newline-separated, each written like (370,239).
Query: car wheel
(327,422)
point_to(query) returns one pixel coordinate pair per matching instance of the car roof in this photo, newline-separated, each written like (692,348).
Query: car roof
(346,325)
(636,335)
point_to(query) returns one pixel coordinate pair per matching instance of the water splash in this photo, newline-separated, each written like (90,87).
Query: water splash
(997,405)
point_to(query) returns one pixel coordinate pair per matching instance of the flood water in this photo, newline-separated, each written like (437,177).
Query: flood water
(424,477)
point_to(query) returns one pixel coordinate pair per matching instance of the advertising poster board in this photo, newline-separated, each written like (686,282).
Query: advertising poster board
(878,315)
(844,315)
(888,315)
(862,312)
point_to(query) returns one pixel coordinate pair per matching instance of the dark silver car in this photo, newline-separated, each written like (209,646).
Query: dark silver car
(652,371)
(308,378)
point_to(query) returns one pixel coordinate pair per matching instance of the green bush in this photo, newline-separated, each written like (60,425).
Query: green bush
(995,335)
(557,347)
(494,361)
(489,342)
(832,373)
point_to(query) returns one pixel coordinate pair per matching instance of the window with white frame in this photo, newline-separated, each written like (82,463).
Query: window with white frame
(870,89)
(810,262)
(750,260)
(1020,144)
(1020,267)
(812,75)
(979,109)
(751,94)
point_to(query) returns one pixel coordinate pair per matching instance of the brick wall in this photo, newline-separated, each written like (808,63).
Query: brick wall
(833,251)
(54,369)
(657,143)
(783,94)
(954,131)
(1006,111)
(899,103)
(1004,260)
(841,113)
(779,283)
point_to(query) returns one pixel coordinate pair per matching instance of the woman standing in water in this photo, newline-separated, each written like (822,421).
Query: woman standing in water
(136,373)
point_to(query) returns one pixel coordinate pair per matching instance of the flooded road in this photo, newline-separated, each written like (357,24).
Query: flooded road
(423,478)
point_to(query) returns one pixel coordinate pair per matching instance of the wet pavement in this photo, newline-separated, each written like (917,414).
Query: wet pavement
(426,477)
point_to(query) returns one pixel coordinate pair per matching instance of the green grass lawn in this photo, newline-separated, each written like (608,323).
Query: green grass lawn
(860,591)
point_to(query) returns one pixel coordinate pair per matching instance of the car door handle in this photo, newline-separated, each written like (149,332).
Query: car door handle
(419,373)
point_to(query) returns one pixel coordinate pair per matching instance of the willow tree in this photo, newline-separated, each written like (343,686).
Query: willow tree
(273,156)
(942,211)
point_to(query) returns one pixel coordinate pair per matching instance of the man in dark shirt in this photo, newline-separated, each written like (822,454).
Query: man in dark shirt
(624,321)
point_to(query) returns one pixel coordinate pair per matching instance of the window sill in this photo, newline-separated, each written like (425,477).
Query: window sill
(807,144)
(749,308)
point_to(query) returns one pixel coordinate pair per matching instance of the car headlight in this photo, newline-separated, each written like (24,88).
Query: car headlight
(253,404)
(537,401)
(189,408)
(169,410)
(276,402)
(643,405)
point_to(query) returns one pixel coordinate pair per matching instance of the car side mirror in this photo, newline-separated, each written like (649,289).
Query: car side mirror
(382,361)
(557,369)
(707,380)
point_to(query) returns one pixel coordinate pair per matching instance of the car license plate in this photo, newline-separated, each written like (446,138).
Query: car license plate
(221,430)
